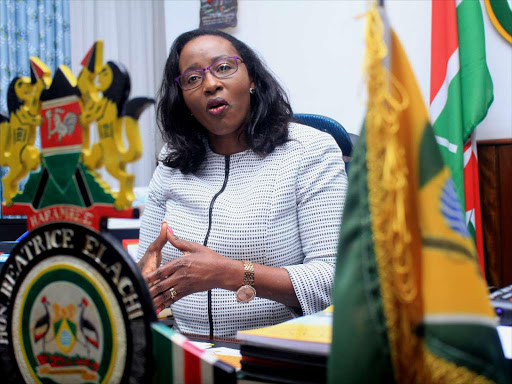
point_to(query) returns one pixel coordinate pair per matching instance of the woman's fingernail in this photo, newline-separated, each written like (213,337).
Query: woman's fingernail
(170,230)
(158,311)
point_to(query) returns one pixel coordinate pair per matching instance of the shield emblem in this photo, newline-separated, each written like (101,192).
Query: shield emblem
(61,138)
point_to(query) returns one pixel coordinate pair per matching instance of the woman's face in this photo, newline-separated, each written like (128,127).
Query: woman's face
(220,105)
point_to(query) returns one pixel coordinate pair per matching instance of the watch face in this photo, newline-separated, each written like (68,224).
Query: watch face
(245,293)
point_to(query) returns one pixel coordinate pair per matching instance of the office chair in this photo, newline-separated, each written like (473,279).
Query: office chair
(330,126)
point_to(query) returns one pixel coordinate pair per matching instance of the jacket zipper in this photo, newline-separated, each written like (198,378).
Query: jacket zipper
(205,242)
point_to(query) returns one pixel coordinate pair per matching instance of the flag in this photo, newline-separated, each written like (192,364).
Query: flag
(410,305)
(461,92)
(179,361)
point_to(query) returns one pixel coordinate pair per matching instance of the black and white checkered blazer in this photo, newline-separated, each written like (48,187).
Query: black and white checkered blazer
(283,210)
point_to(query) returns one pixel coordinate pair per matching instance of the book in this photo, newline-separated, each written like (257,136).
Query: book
(310,334)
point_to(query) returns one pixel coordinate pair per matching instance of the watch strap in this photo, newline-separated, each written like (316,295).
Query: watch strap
(248,273)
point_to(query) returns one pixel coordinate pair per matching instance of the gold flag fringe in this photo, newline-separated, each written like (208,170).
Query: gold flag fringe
(387,181)
(388,199)
(437,370)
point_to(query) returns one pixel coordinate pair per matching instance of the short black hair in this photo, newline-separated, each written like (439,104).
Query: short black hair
(267,125)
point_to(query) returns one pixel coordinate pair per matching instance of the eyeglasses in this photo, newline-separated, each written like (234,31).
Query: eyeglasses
(220,68)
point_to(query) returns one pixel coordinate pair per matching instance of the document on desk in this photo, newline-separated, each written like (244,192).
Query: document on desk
(228,355)
(505,334)
(202,345)
(231,356)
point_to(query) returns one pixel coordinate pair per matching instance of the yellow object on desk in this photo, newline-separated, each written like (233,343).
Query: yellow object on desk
(230,356)
(312,334)
(164,314)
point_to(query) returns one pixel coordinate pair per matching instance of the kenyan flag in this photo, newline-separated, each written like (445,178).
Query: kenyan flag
(461,92)
(410,305)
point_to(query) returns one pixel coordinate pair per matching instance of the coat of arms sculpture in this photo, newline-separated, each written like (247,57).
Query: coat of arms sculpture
(73,304)
(74,307)
(66,186)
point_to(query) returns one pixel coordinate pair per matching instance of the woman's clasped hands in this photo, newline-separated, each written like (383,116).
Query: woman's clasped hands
(200,269)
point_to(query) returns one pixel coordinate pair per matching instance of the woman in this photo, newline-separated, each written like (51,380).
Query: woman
(247,204)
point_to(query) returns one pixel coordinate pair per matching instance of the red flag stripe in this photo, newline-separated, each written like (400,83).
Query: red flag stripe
(467,152)
(444,42)
(472,194)
(192,364)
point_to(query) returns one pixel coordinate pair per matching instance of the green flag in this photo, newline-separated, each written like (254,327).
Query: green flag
(461,92)
(409,303)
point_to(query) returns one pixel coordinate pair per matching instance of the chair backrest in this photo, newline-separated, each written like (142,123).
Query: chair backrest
(331,126)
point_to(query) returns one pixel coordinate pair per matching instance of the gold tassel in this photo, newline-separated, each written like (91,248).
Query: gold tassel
(388,199)
(438,370)
(387,180)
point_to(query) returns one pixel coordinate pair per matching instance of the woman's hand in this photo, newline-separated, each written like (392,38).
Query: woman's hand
(153,256)
(200,269)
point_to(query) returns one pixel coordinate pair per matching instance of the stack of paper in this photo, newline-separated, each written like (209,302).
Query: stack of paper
(292,352)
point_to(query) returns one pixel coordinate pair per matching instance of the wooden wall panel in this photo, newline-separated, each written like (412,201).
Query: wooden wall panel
(495,172)
(487,166)
(505,163)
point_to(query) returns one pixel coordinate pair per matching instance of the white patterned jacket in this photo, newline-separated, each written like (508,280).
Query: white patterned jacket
(283,210)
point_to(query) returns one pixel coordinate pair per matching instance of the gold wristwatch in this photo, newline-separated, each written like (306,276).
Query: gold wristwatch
(247,292)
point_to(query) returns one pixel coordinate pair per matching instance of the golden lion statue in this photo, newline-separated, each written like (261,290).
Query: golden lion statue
(18,132)
(112,112)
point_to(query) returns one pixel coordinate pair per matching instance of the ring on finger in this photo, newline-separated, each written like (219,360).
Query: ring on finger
(173,293)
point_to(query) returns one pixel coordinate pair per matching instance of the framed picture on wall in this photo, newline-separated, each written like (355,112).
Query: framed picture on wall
(217,14)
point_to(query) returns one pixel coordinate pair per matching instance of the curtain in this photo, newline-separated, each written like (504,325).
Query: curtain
(133,32)
(31,28)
